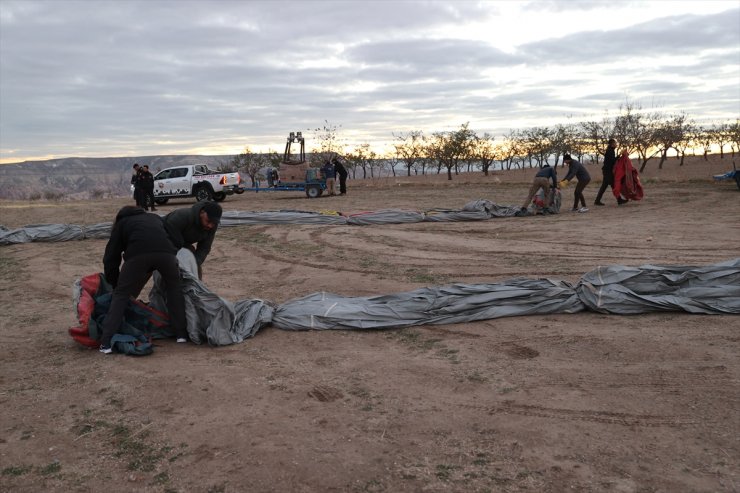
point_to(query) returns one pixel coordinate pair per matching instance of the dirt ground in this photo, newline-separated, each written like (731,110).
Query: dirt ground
(583,402)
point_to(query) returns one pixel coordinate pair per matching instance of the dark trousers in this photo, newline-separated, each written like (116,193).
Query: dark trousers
(608,181)
(148,198)
(138,196)
(342,184)
(134,275)
(578,194)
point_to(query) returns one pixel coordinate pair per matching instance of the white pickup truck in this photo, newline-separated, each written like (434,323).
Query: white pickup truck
(194,180)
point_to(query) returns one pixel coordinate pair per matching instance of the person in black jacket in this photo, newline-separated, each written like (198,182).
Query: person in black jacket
(607,171)
(143,242)
(341,171)
(194,225)
(146,182)
(135,176)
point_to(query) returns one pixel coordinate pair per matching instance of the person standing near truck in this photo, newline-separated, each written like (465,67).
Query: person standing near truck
(146,182)
(135,175)
(328,170)
(194,228)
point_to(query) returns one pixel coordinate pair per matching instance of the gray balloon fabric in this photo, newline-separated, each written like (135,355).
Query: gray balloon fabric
(653,288)
(473,211)
(452,304)
(713,289)
(211,318)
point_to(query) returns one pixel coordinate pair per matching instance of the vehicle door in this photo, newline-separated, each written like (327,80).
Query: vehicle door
(172,182)
(200,173)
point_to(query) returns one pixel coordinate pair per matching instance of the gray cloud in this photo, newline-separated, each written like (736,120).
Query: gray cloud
(125,76)
(667,36)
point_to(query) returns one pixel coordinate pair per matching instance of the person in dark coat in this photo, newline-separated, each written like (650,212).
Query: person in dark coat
(578,171)
(135,182)
(341,172)
(142,241)
(195,225)
(607,172)
(146,182)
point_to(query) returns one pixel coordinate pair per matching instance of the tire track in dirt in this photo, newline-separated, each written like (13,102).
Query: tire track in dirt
(418,256)
(590,415)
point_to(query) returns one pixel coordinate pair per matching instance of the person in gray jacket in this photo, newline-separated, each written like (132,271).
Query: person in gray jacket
(194,228)
(578,171)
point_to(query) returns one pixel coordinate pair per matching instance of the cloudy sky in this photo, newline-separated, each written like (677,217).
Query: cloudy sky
(101,78)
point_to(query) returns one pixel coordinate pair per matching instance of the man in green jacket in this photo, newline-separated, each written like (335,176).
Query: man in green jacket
(194,228)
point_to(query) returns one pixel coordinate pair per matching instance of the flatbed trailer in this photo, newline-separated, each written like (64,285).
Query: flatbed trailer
(730,175)
(313,189)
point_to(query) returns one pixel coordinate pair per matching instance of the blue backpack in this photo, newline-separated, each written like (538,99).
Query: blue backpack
(133,345)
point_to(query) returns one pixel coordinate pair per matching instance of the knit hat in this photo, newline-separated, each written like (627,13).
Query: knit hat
(214,211)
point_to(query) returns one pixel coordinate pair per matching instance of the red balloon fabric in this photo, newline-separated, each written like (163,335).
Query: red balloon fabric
(626,180)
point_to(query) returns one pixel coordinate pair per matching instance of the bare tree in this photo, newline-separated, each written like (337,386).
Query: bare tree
(636,130)
(687,140)
(410,149)
(668,134)
(362,157)
(705,139)
(595,135)
(511,148)
(722,137)
(249,163)
(329,143)
(538,144)
(484,152)
(734,132)
(449,149)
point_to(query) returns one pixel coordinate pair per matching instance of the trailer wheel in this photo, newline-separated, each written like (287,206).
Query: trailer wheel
(313,191)
(219,197)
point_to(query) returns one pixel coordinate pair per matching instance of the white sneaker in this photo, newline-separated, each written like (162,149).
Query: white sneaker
(583,209)
(181,339)
(105,349)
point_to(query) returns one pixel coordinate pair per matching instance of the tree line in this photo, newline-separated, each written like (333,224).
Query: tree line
(645,134)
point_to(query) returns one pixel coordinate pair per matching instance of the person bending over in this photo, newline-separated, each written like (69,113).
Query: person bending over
(542,180)
(577,170)
(194,228)
(142,241)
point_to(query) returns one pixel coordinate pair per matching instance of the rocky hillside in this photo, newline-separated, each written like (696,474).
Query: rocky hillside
(79,178)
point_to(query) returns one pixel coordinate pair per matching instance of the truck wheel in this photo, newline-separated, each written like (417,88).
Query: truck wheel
(161,201)
(203,194)
(219,197)
(313,192)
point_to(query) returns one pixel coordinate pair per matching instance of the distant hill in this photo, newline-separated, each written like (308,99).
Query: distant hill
(81,178)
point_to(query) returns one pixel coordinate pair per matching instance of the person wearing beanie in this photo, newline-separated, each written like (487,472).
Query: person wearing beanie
(194,228)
